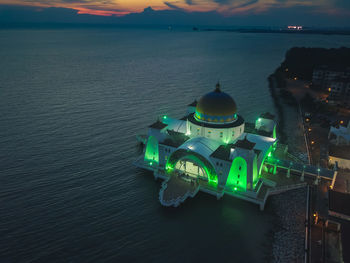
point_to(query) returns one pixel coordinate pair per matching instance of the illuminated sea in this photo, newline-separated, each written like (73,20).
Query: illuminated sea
(71,103)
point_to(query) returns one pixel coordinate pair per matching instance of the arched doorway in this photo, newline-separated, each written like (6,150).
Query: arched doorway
(206,168)
(191,168)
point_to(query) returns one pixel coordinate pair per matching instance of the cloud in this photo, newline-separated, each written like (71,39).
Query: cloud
(172,6)
(222,2)
(50,2)
(183,12)
(70,1)
(235,3)
(252,2)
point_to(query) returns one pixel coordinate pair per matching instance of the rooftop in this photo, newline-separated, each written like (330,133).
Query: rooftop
(339,202)
(339,151)
(158,125)
(193,104)
(267,115)
(175,139)
(250,128)
(223,152)
(245,144)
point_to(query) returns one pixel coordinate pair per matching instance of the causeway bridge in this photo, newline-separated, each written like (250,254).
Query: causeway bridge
(300,168)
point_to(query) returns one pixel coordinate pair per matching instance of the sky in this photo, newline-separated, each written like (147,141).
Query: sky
(318,12)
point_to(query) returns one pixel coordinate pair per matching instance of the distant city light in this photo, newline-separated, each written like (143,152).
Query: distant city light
(295,27)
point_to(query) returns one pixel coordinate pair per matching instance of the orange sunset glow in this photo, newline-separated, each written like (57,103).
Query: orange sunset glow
(123,7)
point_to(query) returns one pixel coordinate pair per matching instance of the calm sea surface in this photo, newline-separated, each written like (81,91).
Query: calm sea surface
(71,103)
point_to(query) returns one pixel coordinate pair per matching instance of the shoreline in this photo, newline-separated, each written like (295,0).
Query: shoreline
(288,209)
(273,87)
(281,31)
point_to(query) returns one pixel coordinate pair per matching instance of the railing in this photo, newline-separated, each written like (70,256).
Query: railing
(295,159)
(299,167)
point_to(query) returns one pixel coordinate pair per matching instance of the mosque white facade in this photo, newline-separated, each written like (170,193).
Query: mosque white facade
(211,147)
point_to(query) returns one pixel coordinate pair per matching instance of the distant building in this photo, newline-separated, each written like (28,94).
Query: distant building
(340,135)
(339,204)
(340,156)
(339,91)
(295,27)
(339,148)
(323,76)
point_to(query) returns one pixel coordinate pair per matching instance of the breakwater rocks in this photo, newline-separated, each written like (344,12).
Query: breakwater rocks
(288,239)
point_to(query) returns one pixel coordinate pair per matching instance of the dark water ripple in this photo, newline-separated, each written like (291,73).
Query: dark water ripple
(71,104)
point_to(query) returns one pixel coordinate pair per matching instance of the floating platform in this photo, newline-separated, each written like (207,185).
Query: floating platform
(176,189)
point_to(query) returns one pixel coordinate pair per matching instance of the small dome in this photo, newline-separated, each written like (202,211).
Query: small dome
(217,107)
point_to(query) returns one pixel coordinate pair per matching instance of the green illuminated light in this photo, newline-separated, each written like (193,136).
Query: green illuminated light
(152,153)
(165,117)
(169,168)
(235,188)
(259,119)
(274,134)
(238,174)
(267,155)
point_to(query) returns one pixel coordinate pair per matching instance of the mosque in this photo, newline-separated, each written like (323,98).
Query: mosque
(212,149)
